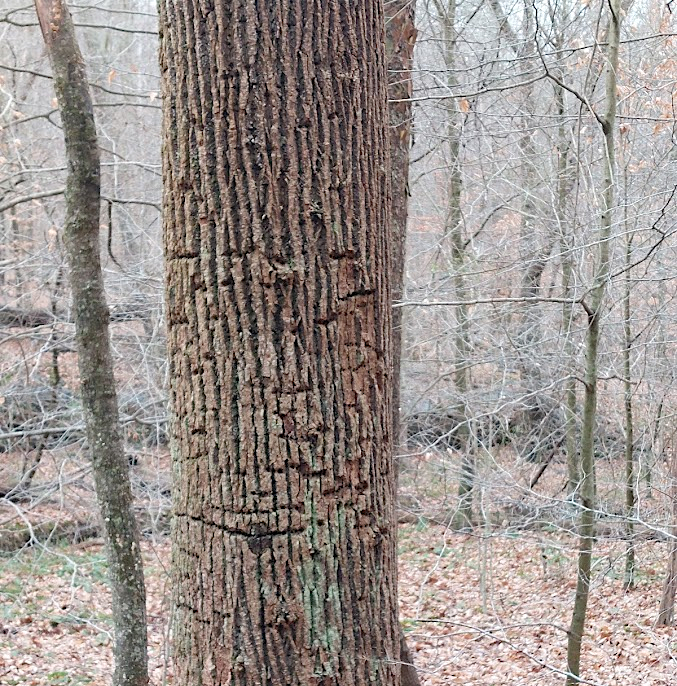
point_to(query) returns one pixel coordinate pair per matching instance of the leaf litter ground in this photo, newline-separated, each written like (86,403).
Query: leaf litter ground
(489,610)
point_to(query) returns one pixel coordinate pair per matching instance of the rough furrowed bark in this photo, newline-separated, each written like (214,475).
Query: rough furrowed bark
(81,241)
(279,334)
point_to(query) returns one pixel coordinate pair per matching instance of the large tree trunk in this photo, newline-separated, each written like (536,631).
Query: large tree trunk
(279,334)
(400,40)
(99,399)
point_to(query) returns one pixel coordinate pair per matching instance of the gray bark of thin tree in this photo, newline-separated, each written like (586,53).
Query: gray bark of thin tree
(453,244)
(564,183)
(666,611)
(535,245)
(279,334)
(628,342)
(95,360)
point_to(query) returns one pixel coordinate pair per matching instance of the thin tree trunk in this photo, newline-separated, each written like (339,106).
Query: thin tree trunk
(535,249)
(81,242)
(586,529)
(453,235)
(595,310)
(566,242)
(657,448)
(279,333)
(630,498)
(666,611)
(400,40)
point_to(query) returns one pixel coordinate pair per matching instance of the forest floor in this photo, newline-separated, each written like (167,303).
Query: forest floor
(489,608)
(486,610)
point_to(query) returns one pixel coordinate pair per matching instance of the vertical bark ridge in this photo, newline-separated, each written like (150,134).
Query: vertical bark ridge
(279,335)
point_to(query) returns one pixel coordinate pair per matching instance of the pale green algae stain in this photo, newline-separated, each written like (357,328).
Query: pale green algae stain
(324,639)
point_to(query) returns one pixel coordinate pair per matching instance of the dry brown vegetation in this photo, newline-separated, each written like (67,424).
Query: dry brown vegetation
(486,607)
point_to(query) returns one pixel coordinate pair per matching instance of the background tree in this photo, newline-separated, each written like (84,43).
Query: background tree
(595,311)
(97,380)
(400,41)
(119,48)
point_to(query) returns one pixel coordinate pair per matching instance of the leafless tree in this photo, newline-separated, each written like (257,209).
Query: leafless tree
(95,361)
